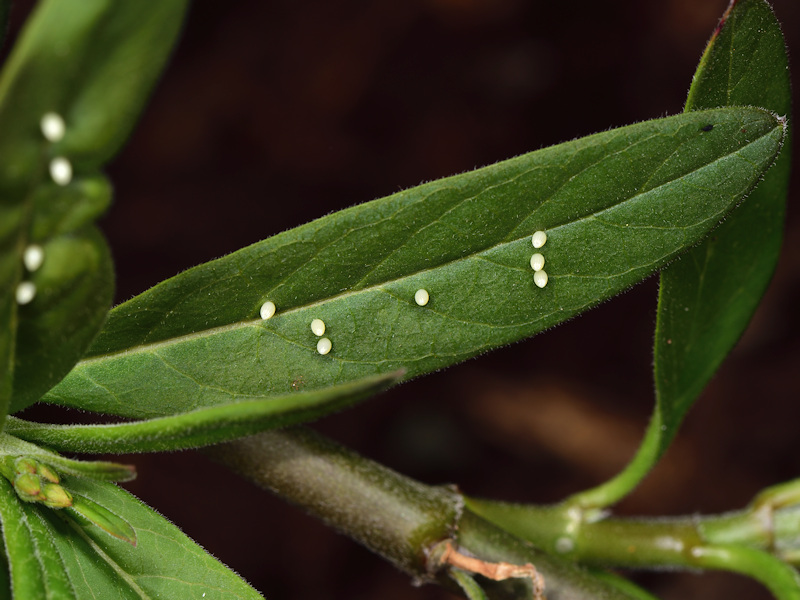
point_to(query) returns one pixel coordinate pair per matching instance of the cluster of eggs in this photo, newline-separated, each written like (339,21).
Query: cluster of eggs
(421,296)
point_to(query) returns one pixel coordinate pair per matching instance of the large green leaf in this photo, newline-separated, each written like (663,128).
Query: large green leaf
(203,426)
(59,554)
(616,206)
(91,65)
(707,297)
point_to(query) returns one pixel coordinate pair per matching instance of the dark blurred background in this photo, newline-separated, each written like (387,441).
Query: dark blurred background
(275,112)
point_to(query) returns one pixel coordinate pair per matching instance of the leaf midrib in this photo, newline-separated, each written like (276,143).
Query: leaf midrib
(236,325)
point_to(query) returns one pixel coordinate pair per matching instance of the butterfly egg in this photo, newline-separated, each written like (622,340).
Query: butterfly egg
(324,346)
(537,262)
(61,170)
(539,239)
(267,310)
(318,327)
(26,291)
(422,297)
(33,257)
(540,278)
(52,126)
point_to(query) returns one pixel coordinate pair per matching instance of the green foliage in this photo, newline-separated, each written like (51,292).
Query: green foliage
(706,299)
(608,227)
(203,426)
(197,364)
(58,555)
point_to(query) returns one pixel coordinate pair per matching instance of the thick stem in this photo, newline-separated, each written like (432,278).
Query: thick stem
(406,522)
(392,515)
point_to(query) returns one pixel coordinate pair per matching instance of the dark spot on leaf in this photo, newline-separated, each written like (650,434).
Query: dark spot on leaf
(744,130)
(708,127)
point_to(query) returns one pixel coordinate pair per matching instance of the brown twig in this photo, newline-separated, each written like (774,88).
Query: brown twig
(497,571)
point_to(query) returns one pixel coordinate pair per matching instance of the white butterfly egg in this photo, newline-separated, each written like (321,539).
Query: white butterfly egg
(537,262)
(539,239)
(26,292)
(52,126)
(422,297)
(267,310)
(318,327)
(61,170)
(324,346)
(540,278)
(33,257)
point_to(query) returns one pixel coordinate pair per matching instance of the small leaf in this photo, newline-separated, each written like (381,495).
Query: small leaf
(615,207)
(91,512)
(201,427)
(467,584)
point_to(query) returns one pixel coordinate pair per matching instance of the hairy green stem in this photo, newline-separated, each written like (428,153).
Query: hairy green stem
(403,520)
(761,540)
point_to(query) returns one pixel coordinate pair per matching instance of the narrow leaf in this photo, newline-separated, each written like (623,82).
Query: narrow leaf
(203,426)
(615,206)
(468,585)
(14,448)
(708,297)
(91,512)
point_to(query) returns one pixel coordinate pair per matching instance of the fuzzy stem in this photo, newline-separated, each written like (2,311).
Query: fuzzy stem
(407,522)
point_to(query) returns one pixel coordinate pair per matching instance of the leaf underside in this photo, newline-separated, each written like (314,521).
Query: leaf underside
(616,206)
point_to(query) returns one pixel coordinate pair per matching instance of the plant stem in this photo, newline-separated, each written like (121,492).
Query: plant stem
(392,515)
(405,521)
(772,529)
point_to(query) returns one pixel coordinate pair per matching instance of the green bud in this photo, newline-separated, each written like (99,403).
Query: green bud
(56,496)
(28,487)
(25,465)
(47,473)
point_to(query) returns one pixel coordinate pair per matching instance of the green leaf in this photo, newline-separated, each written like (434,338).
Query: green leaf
(707,298)
(780,579)
(76,558)
(468,585)
(74,291)
(201,427)
(92,64)
(616,206)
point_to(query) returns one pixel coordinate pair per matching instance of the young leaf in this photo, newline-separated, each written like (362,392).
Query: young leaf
(69,95)
(468,585)
(707,298)
(85,561)
(616,206)
(203,426)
